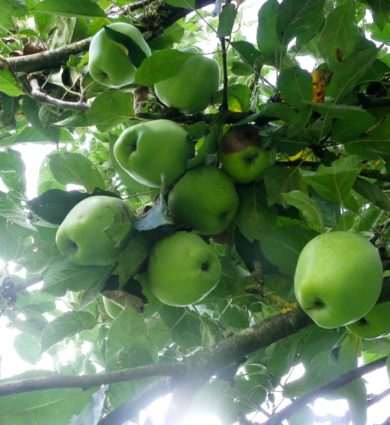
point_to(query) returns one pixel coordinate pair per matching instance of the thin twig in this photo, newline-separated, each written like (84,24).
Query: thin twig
(39,95)
(225,104)
(339,382)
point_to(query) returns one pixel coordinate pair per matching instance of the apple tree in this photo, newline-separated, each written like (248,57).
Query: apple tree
(197,148)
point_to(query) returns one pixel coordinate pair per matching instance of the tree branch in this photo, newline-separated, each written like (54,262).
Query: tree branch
(205,364)
(56,57)
(88,381)
(342,380)
(45,60)
(132,407)
(37,94)
(225,104)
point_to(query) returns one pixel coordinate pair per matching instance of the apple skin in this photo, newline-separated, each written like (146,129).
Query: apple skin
(108,61)
(242,156)
(375,324)
(148,150)
(191,88)
(95,231)
(338,278)
(204,199)
(182,269)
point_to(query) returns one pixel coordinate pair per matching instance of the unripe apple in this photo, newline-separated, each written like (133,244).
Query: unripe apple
(338,278)
(182,269)
(375,324)
(191,88)
(95,231)
(204,199)
(242,156)
(109,62)
(154,152)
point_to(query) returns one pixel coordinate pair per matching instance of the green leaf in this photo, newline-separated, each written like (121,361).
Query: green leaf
(279,180)
(73,8)
(74,168)
(267,35)
(63,276)
(110,109)
(307,206)
(160,66)
(185,4)
(295,86)
(375,144)
(11,9)
(380,10)
(27,347)
(129,331)
(12,213)
(254,218)
(8,84)
(348,122)
(248,52)
(350,72)
(48,407)
(226,20)
(65,326)
(135,54)
(372,193)
(298,18)
(134,255)
(12,170)
(339,35)
(335,182)
(282,245)
(92,412)
(54,205)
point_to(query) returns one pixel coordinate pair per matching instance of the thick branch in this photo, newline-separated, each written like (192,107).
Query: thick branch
(208,362)
(53,58)
(342,380)
(45,60)
(132,407)
(37,94)
(88,381)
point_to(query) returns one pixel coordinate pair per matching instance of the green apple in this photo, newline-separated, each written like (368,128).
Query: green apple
(338,278)
(154,152)
(95,231)
(191,88)
(375,324)
(204,199)
(182,269)
(109,62)
(242,156)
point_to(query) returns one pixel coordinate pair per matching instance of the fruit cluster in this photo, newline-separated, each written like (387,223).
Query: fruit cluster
(338,277)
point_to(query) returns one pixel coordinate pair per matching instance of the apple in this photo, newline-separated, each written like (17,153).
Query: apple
(154,152)
(338,278)
(191,88)
(375,324)
(95,231)
(241,154)
(204,199)
(109,62)
(182,269)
